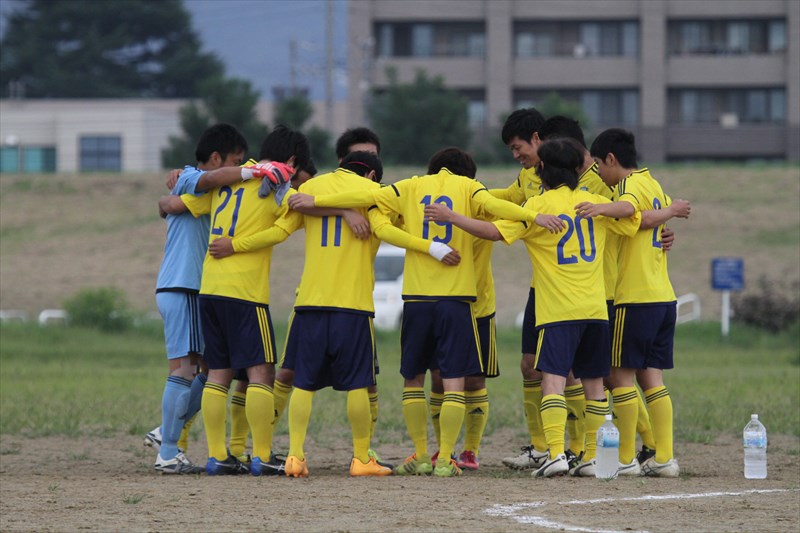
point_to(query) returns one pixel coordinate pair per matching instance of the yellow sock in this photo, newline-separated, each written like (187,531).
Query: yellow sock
(260,410)
(373,411)
(626,411)
(660,406)
(554,417)
(643,426)
(183,441)
(596,412)
(477,413)
(415,413)
(281,392)
(239,426)
(359,414)
(576,405)
(436,409)
(299,413)
(214,406)
(451,419)
(532,398)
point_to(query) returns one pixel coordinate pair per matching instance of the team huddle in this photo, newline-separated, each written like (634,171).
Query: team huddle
(600,316)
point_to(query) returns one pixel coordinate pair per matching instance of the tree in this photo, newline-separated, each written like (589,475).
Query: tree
(553,104)
(227,100)
(294,111)
(107,49)
(416,119)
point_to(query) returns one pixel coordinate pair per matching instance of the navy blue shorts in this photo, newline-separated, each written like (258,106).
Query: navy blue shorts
(643,336)
(238,334)
(331,349)
(439,334)
(582,347)
(529,335)
(611,314)
(487,336)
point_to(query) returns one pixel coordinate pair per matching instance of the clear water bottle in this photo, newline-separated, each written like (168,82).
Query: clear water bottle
(607,462)
(755,449)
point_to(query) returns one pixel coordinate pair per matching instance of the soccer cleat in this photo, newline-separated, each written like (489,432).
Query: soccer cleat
(572,459)
(529,458)
(180,464)
(434,457)
(553,467)
(370,468)
(654,469)
(467,460)
(414,467)
(583,469)
(244,458)
(644,454)
(294,467)
(451,469)
(274,467)
(633,469)
(229,467)
(153,439)
(374,455)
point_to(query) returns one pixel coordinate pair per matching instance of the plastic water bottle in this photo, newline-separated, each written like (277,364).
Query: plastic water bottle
(607,462)
(755,449)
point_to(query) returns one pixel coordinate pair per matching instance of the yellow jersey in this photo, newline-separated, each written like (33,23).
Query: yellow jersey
(236,211)
(643,276)
(590,181)
(527,185)
(570,263)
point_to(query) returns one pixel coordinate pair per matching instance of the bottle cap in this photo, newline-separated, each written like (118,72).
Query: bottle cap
(611,417)
(754,417)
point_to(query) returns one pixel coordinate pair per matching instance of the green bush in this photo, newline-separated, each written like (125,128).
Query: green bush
(104,308)
(773,305)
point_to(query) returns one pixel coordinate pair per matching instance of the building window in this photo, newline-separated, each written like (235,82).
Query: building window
(602,107)
(576,38)
(28,159)
(101,153)
(720,37)
(727,106)
(435,39)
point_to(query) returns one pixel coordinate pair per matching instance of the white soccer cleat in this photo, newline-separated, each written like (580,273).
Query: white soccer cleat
(153,439)
(583,469)
(654,469)
(553,467)
(180,464)
(529,458)
(634,469)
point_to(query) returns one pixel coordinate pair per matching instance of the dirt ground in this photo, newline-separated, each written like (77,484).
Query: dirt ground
(107,484)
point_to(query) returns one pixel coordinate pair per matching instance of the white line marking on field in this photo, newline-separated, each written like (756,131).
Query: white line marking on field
(512,510)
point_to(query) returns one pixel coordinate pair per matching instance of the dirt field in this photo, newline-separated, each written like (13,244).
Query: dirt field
(59,484)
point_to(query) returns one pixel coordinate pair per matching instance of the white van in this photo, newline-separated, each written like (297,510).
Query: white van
(388,293)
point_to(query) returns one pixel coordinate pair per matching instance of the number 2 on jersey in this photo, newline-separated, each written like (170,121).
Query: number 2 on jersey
(575,226)
(448,232)
(217,230)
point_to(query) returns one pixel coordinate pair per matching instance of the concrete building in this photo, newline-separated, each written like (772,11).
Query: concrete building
(710,79)
(111,135)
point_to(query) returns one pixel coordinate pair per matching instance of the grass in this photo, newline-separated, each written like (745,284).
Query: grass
(81,382)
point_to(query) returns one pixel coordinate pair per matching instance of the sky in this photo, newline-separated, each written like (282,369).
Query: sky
(252,38)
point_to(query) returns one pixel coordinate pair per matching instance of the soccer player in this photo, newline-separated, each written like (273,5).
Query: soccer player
(234,303)
(177,289)
(572,320)
(438,328)
(476,395)
(645,306)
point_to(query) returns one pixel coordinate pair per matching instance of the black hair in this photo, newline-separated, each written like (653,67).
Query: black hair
(362,162)
(455,160)
(561,126)
(560,161)
(355,136)
(310,168)
(522,123)
(616,141)
(221,138)
(283,143)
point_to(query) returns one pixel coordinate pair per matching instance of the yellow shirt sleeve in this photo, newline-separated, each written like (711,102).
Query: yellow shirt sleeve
(197,205)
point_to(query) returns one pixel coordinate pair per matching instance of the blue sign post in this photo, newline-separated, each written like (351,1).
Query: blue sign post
(727,274)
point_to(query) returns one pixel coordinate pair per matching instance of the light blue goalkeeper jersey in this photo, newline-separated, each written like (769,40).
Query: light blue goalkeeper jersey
(187,241)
